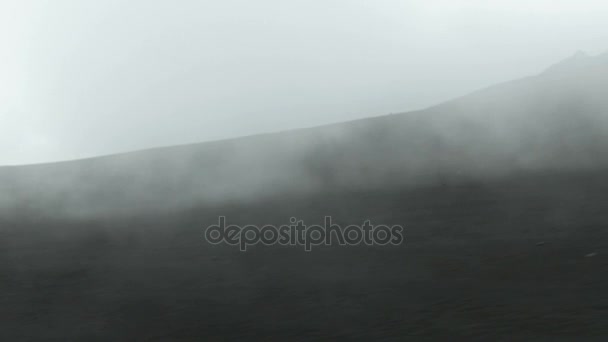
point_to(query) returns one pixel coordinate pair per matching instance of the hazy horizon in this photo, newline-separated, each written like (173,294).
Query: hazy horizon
(89,79)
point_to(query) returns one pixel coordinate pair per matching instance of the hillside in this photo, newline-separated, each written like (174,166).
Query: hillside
(553,121)
(502,193)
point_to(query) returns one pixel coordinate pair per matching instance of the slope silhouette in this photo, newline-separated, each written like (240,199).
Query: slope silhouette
(502,193)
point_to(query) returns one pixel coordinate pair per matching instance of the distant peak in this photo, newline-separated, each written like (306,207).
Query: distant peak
(578,57)
(578,60)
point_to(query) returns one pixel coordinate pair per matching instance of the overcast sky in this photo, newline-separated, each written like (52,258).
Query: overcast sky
(84,78)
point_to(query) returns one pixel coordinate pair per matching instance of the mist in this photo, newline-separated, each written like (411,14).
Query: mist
(554,121)
(129,129)
(88,79)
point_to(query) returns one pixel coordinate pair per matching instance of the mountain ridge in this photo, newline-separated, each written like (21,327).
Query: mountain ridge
(550,121)
(579,55)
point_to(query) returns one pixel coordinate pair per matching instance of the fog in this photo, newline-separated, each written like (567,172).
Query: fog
(83,79)
(552,122)
(127,128)
(389,92)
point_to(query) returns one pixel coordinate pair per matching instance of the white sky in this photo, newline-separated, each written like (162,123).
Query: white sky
(80,78)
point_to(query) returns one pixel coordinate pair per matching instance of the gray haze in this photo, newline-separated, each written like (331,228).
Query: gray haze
(86,78)
(554,122)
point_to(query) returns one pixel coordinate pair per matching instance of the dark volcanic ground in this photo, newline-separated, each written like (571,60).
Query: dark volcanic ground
(472,267)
